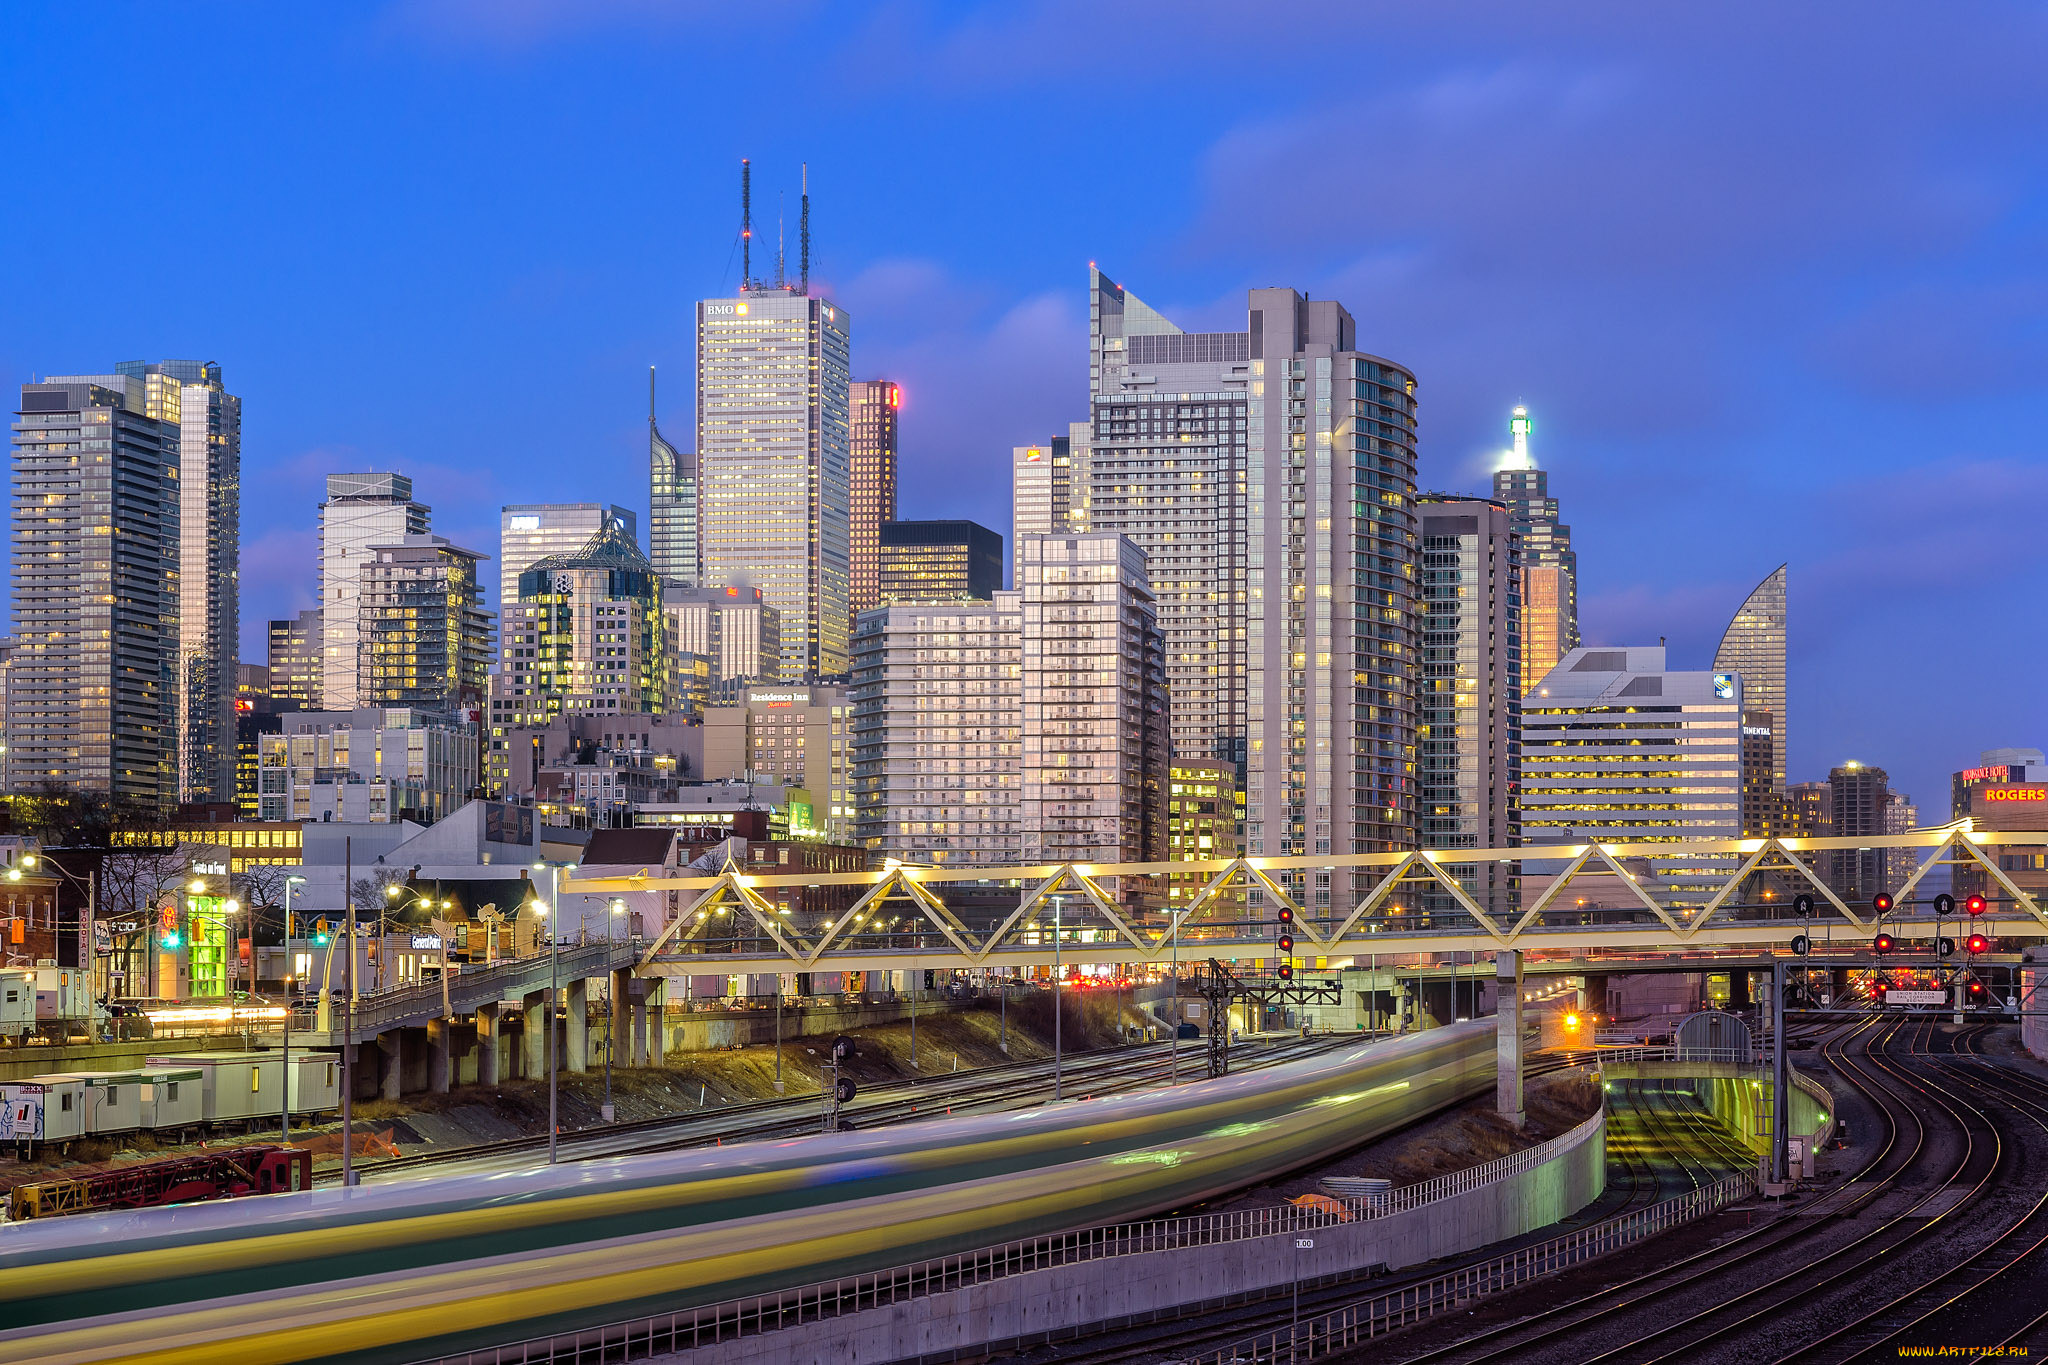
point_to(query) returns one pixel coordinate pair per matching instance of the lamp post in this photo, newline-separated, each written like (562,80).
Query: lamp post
(552,905)
(611,1007)
(287,1086)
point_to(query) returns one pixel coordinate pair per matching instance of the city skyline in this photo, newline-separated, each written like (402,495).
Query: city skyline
(1650,420)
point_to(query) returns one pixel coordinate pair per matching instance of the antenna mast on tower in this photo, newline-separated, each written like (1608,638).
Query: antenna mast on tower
(780,281)
(746,222)
(804,234)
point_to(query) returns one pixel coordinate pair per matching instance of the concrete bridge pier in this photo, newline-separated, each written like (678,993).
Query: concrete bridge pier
(576,1029)
(535,1024)
(440,1056)
(1507,998)
(657,1021)
(489,1037)
(390,1063)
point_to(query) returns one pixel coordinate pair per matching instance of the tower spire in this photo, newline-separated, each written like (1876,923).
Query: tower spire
(650,396)
(746,222)
(1518,427)
(780,280)
(804,234)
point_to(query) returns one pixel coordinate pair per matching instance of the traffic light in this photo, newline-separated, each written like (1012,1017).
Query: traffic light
(1944,904)
(320,934)
(167,934)
(1881,903)
(1801,945)
(1802,906)
(1976,905)
(1978,944)
(1285,941)
(1944,947)
(1286,914)
(1882,944)
(845,1089)
(1286,972)
(1976,989)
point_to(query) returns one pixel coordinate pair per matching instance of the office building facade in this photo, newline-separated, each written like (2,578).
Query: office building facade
(1550,566)
(1202,819)
(1096,740)
(875,403)
(1754,646)
(1469,715)
(295,660)
(362,511)
(92,688)
(1859,800)
(937,697)
(938,561)
(209,421)
(528,532)
(1617,748)
(774,464)
(1049,486)
(423,636)
(373,765)
(587,636)
(737,630)
(2006,790)
(672,544)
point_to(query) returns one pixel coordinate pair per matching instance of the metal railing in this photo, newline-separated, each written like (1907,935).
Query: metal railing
(1394,1309)
(714,1323)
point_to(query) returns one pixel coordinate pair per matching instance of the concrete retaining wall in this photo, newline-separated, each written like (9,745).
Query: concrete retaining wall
(1739,1104)
(702,1032)
(1063,1298)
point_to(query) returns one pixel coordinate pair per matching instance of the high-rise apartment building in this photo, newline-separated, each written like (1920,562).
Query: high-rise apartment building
(933,561)
(672,543)
(873,442)
(1754,646)
(586,636)
(1859,796)
(295,660)
(774,463)
(423,636)
(1095,739)
(737,630)
(1269,476)
(209,422)
(1550,566)
(528,532)
(362,511)
(1901,816)
(92,686)
(1618,748)
(1469,716)
(1049,485)
(937,696)
(373,765)
(1202,819)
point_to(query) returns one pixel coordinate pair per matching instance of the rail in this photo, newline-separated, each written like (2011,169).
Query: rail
(714,1323)
(1346,1327)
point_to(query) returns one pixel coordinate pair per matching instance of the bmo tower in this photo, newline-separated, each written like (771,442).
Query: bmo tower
(775,464)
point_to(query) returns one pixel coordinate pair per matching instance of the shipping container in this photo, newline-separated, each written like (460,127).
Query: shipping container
(316,1082)
(17,1005)
(62,994)
(173,1097)
(42,1109)
(237,1086)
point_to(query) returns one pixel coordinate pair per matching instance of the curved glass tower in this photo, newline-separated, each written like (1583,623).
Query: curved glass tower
(1754,646)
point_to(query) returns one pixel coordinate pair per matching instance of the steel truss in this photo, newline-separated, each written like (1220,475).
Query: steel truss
(730,919)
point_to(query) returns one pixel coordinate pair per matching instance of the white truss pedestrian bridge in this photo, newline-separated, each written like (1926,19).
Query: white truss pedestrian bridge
(1574,902)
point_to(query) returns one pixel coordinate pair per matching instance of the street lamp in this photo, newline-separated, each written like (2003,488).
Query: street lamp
(554,991)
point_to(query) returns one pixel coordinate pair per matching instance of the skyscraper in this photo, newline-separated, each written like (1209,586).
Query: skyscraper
(1550,567)
(362,511)
(734,629)
(773,454)
(92,686)
(1095,747)
(209,568)
(424,636)
(1166,467)
(875,403)
(672,532)
(931,561)
(295,660)
(1859,797)
(1470,717)
(586,636)
(534,530)
(1049,485)
(1754,646)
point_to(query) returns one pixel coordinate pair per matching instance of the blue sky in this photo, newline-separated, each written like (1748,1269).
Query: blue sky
(1770,277)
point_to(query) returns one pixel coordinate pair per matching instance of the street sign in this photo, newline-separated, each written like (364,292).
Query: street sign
(126,926)
(1304,1243)
(1894,997)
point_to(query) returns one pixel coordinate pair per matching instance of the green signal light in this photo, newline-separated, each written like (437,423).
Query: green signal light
(171,940)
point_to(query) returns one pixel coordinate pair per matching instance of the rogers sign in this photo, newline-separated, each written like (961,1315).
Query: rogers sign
(2008,794)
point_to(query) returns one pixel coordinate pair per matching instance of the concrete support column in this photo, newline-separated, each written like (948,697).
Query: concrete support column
(534,1017)
(621,1021)
(636,1025)
(488,1039)
(391,1050)
(1404,1005)
(576,1049)
(1507,996)
(440,1058)
(1593,996)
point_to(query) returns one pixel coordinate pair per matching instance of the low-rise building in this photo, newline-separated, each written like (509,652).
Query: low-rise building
(374,765)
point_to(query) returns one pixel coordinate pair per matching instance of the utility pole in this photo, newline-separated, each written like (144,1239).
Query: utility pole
(1781,1101)
(1056,1058)
(348,1041)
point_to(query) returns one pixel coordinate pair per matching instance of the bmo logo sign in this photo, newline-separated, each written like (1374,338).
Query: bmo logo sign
(725,310)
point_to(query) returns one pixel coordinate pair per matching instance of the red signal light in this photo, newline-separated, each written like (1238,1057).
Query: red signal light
(1883,944)
(1286,915)
(1976,905)
(1286,972)
(1979,944)
(1976,988)
(1286,943)
(1881,903)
